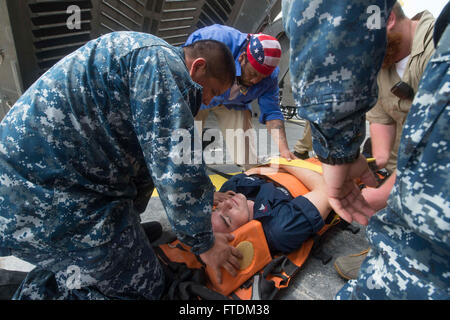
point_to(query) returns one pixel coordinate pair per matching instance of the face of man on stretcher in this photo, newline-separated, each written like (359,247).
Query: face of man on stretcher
(232,211)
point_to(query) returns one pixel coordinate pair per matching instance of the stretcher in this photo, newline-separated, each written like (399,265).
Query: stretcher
(262,274)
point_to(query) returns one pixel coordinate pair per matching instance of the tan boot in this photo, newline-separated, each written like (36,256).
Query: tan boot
(348,266)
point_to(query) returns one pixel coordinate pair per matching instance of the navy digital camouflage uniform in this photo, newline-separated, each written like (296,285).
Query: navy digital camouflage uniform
(80,152)
(409,239)
(333,72)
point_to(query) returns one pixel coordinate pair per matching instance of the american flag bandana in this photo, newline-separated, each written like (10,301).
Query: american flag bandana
(263,52)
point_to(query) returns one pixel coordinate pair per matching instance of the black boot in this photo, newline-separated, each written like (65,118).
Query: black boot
(10,282)
(153,230)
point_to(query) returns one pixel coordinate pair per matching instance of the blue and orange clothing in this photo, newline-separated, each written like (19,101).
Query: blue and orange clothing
(287,221)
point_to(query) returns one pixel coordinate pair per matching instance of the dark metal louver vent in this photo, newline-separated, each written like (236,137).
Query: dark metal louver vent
(120,15)
(42,37)
(173,20)
(215,11)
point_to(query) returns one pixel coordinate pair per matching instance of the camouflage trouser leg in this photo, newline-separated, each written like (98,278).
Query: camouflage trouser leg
(125,268)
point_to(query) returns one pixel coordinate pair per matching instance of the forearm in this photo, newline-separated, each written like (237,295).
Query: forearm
(311,179)
(387,186)
(185,190)
(315,183)
(377,197)
(278,133)
(383,138)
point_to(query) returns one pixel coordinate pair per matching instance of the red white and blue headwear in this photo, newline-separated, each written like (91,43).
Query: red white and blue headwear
(263,52)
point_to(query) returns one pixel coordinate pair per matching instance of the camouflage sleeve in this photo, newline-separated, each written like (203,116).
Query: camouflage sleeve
(160,107)
(336,50)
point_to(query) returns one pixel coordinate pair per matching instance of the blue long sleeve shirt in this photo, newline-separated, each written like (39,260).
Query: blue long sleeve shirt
(266,91)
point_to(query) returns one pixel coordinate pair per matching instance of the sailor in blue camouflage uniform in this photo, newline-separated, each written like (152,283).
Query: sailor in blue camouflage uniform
(80,152)
(333,67)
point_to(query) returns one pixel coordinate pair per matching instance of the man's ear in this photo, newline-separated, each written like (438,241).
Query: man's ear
(242,57)
(198,68)
(391,22)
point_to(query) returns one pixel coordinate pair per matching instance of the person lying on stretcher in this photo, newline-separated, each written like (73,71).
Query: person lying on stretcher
(287,221)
